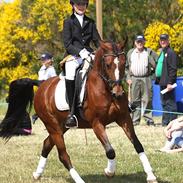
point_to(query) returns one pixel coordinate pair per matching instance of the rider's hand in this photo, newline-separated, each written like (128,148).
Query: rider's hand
(84,53)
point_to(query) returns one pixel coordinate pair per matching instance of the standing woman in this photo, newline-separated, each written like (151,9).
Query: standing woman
(45,72)
(78,32)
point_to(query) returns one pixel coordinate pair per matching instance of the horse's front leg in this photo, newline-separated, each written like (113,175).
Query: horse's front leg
(100,132)
(128,128)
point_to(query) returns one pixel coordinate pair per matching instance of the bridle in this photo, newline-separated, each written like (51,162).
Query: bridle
(111,83)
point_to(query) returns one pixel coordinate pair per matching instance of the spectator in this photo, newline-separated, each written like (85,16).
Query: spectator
(46,71)
(174,135)
(140,66)
(166,71)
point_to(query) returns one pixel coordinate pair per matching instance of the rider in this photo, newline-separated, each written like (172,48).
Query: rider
(78,32)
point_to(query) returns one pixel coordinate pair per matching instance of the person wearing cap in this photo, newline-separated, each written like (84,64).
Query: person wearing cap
(166,74)
(140,66)
(78,32)
(46,71)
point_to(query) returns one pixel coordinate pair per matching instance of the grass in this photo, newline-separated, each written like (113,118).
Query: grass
(19,157)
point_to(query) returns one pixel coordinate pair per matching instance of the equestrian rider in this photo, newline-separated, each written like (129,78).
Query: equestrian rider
(78,32)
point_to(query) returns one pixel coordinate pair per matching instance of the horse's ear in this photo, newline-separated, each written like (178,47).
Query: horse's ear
(123,43)
(104,45)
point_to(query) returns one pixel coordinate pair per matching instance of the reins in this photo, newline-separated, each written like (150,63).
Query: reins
(111,83)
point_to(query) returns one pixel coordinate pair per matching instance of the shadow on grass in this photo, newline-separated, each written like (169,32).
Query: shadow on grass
(139,177)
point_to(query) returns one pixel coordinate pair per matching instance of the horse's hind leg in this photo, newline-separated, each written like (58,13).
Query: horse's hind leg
(99,130)
(64,157)
(128,128)
(47,147)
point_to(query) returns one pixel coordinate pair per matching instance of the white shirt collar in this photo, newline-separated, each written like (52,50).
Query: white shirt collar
(80,18)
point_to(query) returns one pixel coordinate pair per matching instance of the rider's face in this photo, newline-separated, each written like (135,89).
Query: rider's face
(80,8)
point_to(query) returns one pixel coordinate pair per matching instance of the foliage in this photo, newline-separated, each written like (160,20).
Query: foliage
(132,17)
(31,27)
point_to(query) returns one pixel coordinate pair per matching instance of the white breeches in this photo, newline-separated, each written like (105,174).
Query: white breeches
(70,68)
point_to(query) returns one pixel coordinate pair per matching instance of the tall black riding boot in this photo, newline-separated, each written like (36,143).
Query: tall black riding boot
(70,89)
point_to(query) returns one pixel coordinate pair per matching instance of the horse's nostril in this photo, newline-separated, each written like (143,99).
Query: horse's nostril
(113,94)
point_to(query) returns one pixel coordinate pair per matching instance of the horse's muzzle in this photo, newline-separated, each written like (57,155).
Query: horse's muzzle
(117,91)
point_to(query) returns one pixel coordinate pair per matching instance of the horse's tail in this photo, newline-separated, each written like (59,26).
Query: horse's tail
(20,100)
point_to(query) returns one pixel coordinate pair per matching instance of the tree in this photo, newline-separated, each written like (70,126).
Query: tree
(29,28)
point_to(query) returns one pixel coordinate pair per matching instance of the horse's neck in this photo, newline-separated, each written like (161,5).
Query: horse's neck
(97,64)
(95,75)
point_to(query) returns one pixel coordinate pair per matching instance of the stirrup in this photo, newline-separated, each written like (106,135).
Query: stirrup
(75,119)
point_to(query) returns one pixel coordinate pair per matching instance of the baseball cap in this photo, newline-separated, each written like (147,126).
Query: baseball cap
(139,38)
(45,56)
(164,37)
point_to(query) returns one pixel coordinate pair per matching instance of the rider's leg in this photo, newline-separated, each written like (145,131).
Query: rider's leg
(70,68)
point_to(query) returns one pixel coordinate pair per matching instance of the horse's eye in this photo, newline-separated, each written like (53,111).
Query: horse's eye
(108,66)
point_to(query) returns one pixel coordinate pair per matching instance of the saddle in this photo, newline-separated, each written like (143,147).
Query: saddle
(61,100)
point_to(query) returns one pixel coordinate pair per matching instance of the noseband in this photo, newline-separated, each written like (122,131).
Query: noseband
(111,83)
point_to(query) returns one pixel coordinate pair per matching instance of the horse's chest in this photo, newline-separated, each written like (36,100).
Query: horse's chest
(114,110)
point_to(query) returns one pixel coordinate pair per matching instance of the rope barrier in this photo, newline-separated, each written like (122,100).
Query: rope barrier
(154,110)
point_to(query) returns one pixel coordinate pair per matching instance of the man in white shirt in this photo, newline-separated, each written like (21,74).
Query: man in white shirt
(140,64)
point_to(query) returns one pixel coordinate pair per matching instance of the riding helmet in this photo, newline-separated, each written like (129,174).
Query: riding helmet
(79,2)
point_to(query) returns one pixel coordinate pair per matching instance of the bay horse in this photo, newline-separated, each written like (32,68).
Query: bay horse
(105,102)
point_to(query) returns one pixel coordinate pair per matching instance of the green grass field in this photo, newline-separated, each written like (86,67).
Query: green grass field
(19,157)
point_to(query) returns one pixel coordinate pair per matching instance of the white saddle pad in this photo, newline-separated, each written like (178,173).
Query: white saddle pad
(60,94)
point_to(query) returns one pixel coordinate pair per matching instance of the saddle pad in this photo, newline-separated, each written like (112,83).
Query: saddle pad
(60,94)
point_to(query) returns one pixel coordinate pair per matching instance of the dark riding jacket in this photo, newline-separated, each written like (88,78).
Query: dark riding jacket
(76,37)
(169,69)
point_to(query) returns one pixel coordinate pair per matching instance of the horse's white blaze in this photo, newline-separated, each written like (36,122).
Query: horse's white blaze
(116,72)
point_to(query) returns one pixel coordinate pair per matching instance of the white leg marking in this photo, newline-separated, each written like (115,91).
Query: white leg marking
(147,167)
(111,167)
(76,176)
(40,168)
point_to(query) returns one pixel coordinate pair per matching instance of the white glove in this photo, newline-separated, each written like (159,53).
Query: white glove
(84,53)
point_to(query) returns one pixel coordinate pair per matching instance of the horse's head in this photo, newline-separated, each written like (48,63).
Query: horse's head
(111,66)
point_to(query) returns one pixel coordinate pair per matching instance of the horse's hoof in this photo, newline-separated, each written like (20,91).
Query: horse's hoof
(152,181)
(36,176)
(109,174)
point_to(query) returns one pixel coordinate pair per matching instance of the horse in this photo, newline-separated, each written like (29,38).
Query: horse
(105,102)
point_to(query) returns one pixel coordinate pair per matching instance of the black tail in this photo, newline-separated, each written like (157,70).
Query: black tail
(20,100)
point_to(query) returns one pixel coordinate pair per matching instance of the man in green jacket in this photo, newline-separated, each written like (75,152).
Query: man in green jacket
(166,74)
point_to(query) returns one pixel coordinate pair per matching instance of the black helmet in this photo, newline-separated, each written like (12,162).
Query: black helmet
(79,2)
